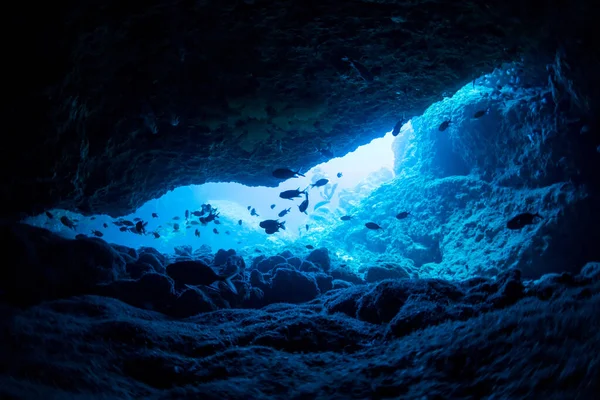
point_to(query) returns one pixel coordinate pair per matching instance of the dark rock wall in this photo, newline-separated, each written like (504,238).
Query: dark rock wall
(113,104)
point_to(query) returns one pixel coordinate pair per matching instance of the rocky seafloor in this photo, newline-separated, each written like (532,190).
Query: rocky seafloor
(86,319)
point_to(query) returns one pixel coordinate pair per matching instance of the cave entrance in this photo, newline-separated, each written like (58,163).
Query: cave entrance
(351,178)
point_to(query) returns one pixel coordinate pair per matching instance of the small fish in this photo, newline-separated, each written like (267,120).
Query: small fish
(188,227)
(156,235)
(397,127)
(249,207)
(194,222)
(304,205)
(286,173)
(93,218)
(257,251)
(215,231)
(310,246)
(140,227)
(403,215)
(136,219)
(105,225)
(522,220)
(444,125)
(154,215)
(123,229)
(346,218)
(127,223)
(197,213)
(320,182)
(176,218)
(118,223)
(240,222)
(227,233)
(217,222)
(187,214)
(49,215)
(67,222)
(284,212)
(481,113)
(176,227)
(97,233)
(272,206)
(339,174)
(372,225)
(307,227)
(272,225)
(254,213)
(292,194)
(197,233)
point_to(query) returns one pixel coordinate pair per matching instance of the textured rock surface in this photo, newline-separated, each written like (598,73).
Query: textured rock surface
(130,101)
(74,325)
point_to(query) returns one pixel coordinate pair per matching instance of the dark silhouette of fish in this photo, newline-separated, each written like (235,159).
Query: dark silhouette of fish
(346,218)
(397,127)
(304,205)
(320,182)
(67,222)
(292,194)
(272,225)
(310,246)
(372,225)
(522,220)
(403,215)
(286,173)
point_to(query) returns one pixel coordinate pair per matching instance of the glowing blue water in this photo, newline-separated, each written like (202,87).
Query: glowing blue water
(232,201)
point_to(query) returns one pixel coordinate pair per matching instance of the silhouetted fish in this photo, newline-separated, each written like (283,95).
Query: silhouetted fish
(286,173)
(372,225)
(397,127)
(320,182)
(402,215)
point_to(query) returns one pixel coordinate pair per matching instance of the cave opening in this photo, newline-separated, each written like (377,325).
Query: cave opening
(241,208)
(453,171)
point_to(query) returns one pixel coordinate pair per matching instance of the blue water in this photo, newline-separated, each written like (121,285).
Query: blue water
(232,201)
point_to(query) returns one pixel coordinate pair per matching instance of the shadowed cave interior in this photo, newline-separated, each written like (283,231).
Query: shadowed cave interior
(442,242)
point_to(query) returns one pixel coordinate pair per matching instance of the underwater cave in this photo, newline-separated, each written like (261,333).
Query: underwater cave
(302,200)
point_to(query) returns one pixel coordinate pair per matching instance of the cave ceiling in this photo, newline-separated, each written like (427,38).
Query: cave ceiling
(115,103)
